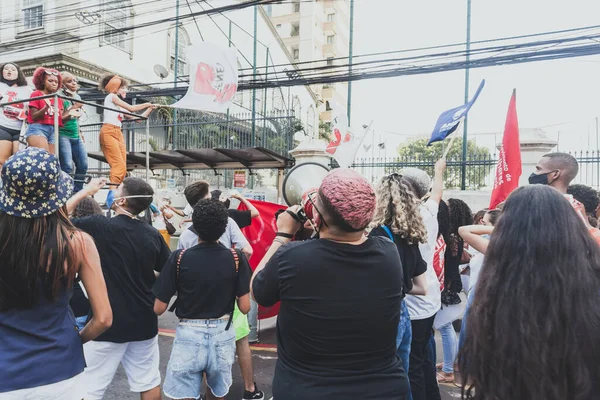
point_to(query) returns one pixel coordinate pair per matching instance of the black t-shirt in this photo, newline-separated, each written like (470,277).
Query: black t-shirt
(241,218)
(130,251)
(206,281)
(337,325)
(410,256)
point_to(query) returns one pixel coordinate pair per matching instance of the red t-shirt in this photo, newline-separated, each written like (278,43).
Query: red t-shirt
(48,118)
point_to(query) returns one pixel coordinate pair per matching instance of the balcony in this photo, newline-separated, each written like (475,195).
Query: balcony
(329,50)
(329,28)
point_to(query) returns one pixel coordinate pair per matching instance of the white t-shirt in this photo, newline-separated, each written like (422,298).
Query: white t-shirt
(421,307)
(475,267)
(112,117)
(12,117)
(232,236)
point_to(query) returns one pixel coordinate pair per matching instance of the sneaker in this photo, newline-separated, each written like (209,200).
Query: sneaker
(256,395)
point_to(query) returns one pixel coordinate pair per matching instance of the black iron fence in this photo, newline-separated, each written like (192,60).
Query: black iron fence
(480,169)
(192,129)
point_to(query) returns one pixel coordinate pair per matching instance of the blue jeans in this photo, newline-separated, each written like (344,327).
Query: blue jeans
(81,321)
(450,347)
(403,339)
(200,346)
(72,151)
(463,326)
(43,130)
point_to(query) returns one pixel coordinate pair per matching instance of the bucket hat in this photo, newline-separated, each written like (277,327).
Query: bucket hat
(33,185)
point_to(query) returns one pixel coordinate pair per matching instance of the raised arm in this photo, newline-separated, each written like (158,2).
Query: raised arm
(254,213)
(438,181)
(471,234)
(91,189)
(131,108)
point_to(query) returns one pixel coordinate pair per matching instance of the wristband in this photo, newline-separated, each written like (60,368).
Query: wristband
(283,234)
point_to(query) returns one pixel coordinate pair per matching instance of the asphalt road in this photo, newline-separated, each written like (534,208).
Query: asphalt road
(264,364)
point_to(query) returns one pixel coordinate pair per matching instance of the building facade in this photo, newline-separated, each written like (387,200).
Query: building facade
(316,34)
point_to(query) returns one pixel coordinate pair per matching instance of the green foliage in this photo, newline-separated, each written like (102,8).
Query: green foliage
(417,151)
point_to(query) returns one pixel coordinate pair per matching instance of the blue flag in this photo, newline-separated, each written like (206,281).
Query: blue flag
(449,120)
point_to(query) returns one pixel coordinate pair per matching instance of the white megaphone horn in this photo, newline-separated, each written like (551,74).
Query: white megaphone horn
(300,179)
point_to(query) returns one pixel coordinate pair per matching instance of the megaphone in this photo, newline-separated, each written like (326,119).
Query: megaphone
(300,179)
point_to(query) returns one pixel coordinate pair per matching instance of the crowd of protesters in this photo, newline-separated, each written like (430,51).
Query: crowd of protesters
(360,301)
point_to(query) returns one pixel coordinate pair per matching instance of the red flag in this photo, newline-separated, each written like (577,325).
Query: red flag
(508,169)
(260,235)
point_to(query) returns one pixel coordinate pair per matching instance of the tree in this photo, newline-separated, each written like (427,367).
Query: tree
(416,153)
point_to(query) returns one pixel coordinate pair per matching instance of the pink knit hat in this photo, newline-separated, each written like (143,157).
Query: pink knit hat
(350,197)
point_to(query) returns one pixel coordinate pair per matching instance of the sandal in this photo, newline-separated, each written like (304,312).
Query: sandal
(443,378)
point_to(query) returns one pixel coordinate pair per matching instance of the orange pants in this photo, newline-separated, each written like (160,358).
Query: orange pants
(112,144)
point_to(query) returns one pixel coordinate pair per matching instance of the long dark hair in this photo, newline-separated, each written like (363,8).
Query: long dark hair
(37,250)
(534,324)
(21,80)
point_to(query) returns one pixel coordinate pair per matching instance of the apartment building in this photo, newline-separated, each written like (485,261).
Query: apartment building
(316,34)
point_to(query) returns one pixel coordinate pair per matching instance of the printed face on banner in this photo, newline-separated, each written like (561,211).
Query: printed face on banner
(213,78)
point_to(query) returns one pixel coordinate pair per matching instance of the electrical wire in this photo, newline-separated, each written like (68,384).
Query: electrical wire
(227,8)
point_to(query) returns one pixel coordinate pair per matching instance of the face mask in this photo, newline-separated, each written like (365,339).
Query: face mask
(10,83)
(110,199)
(541,179)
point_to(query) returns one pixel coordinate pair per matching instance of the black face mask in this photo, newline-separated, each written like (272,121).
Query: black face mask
(539,179)
(9,83)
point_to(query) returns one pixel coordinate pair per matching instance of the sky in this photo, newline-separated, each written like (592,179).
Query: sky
(561,97)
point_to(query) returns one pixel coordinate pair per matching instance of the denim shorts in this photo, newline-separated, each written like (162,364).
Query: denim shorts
(43,130)
(200,346)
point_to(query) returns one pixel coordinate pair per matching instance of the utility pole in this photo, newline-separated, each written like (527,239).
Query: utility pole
(463,183)
(175,73)
(350,51)
(254,90)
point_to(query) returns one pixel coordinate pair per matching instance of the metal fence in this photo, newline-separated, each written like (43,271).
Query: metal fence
(480,169)
(191,129)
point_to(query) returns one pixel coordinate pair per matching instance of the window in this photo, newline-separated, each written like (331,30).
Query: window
(117,17)
(295,30)
(33,14)
(330,39)
(296,6)
(184,42)
(330,17)
(329,60)
(296,54)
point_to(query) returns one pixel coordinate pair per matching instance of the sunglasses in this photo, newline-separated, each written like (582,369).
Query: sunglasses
(52,72)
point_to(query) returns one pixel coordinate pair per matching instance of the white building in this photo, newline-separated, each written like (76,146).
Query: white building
(317,30)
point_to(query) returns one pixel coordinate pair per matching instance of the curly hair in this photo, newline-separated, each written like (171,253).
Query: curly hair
(444,224)
(588,197)
(106,78)
(460,215)
(39,77)
(21,80)
(534,321)
(398,207)
(86,207)
(210,219)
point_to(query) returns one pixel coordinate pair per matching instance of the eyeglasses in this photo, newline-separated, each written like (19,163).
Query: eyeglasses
(52,72)
(317,210)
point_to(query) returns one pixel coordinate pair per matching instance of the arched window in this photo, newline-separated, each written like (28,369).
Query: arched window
(116,20)
(184,41)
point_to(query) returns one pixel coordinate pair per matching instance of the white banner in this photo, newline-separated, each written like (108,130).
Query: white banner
(213,78)
(345,141)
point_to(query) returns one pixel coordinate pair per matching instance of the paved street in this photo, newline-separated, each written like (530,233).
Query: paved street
(264,365)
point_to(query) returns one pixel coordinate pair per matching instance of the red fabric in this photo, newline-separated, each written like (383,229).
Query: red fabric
(260,235)
(48,118)
(508,169)
(439,261)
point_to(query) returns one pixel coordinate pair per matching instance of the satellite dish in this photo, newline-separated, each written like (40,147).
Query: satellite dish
(161,71)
